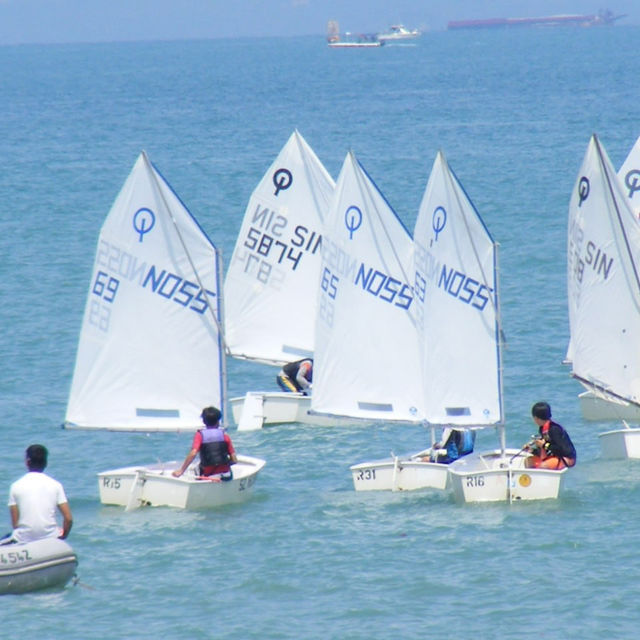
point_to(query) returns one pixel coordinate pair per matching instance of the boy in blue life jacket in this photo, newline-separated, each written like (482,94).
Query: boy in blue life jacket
(453,444)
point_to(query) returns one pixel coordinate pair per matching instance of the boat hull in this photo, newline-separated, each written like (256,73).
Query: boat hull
(597,409)
(492,477)
(154,485)
(258,409)
(620,443)
(37,565)
(399,474)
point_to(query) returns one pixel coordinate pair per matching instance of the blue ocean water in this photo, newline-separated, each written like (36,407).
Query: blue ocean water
(307,557)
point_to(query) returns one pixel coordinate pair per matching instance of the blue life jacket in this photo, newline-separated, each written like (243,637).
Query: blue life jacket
(460,443)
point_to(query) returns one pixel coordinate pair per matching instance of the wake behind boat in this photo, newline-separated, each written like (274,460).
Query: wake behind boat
(32,566)
(150,354)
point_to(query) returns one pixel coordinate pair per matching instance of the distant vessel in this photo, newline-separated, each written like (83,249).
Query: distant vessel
(602,18)
(348,39)
(399,32)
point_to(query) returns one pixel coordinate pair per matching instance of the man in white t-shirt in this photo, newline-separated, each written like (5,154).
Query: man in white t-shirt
(33,500)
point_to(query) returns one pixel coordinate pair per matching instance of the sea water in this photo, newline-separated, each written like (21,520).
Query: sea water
(307,556)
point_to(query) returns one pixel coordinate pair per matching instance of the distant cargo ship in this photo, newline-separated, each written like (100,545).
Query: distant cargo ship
(605,17)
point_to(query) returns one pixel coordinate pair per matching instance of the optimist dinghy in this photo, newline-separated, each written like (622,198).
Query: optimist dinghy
(463,372)
(153,485)
(271,286)
(150,355)
(603,280)
(595,405)
(453,333)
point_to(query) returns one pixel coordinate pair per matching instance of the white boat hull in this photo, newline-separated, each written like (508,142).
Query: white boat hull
(491,477)
(32,566)
(396,474)
(620,443)
(257,409)
(596,408)
(154,485)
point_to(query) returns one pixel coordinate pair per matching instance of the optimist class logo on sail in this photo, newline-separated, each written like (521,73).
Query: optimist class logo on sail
(340,267)
(586,258)
(452,280)
(116,267)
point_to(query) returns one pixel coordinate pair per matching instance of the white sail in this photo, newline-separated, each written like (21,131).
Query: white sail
(271,283)
(456,304)
(603,280)
(150,355)
(366,363)
(629,175)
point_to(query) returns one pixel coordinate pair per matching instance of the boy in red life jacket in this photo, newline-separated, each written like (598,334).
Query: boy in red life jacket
(215,447)
(553,449)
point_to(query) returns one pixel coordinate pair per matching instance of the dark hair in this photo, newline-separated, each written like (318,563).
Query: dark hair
(36,455)
(541,410)
(211,416)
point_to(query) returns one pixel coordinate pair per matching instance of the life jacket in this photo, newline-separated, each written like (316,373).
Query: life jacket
(466,441)
(214,450)
(460,443)
(561,445)
(291,368)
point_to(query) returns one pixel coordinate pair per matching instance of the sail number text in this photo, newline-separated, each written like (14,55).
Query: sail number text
(127,267)
(366,474)
(266,249)
(111,483)
(15,557)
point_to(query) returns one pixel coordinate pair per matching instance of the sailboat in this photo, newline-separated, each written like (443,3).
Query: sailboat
(458,336)
(366,361)
(458,377)
(272,281)
(603,279)
(463,354)
(150,353)
(594,405)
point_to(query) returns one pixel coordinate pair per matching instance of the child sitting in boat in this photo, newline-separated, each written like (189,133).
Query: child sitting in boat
(215,447)
(296,376)
(453,444)
(553,449)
